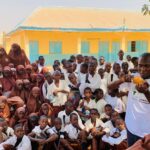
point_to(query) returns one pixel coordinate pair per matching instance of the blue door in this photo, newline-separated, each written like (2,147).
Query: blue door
(114,52)
(104,49)
(33,50)
(55,47)
(85,47)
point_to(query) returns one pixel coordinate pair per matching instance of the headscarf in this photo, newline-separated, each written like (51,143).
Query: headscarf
(33,104)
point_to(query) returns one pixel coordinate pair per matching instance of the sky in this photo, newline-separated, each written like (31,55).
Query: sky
(12,12)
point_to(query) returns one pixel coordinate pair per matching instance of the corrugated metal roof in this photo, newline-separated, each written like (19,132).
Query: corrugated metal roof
(85,18)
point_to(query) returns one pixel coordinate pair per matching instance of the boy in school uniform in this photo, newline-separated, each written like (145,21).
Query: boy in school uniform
(18,141)
(86,104)
(95,129)
(61,142)
(41,135)
(75,133)
(117,137)
(107,113)
(65,115)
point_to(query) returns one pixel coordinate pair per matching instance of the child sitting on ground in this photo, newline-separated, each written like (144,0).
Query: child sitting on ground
(86,104)
(61,142)
(74,132)
(17,142)
(117,136)
(41,135)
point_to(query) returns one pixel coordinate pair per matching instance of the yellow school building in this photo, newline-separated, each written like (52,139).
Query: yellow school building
(57,33)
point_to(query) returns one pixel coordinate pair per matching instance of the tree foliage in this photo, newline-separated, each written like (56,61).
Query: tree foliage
(146,8)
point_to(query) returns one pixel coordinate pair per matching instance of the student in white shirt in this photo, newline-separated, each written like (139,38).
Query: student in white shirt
(115,73)
(80,60)
(41,62)
(110,125)
(103,85)
(95,128)
(65,115)
(58,90)
(92,80)
(120,55)
(138,106)
(47,83)
(41,135)
(99,99)
(107,113)
(61,142)
(101,63)
(86,104)
(19,141)
(74,132)
(116,103)
(117,136)
(131,66)
(83,72)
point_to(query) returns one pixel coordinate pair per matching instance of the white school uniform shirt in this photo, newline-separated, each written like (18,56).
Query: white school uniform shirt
(91,104)
(131,66)
(81,77)
(109,126)
(112,77)
(120,62)
(115,141)
(100,105)
(66,118)
(61,98)
(45,88)
(116,103)
(104,115)
(38,131)
(99,123)
(137,114)
(53,129)
(25,144)
(95,82)
(72,131)
(78,67)
(104,85)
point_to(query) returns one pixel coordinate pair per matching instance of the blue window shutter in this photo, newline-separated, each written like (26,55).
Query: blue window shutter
(85,47)
(129,46)
(33,50)
(115,50)
(141,46)
(104,49)
(55,47)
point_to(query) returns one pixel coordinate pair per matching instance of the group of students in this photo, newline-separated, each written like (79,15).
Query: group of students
(72,106)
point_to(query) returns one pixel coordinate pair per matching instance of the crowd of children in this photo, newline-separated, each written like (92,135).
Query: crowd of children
(72,106)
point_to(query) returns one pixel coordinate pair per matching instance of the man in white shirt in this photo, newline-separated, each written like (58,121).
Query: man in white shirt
(138,106)
(19,141)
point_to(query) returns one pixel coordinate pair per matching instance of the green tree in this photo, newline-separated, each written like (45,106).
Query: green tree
(146,8)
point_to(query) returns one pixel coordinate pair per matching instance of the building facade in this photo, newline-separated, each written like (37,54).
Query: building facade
(57,33)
